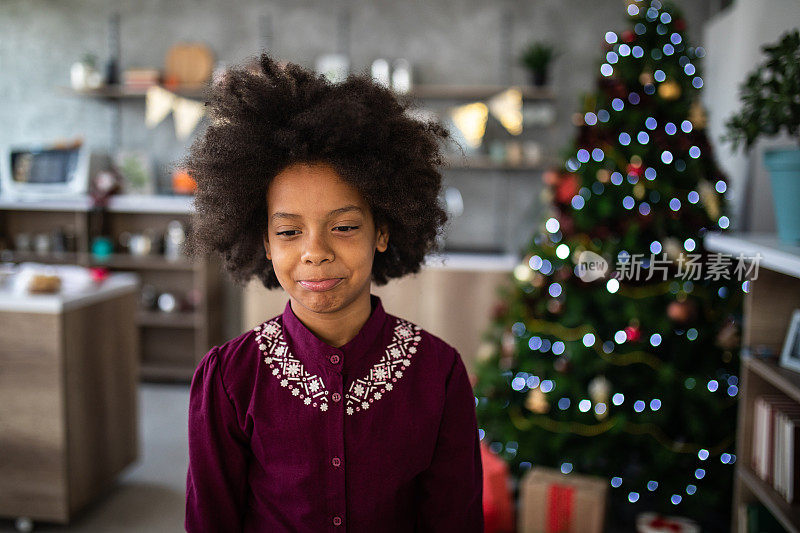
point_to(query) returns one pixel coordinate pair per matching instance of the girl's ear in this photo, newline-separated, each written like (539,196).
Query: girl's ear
(266,245)
(382,239)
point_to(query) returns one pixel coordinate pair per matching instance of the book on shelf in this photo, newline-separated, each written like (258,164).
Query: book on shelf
(776,429)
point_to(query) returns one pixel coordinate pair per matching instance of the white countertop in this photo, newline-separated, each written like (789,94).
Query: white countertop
(775,255)
(473,262)
(75,292)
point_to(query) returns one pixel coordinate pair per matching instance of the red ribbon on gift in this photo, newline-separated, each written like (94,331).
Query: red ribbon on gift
(664,524)
(560,501)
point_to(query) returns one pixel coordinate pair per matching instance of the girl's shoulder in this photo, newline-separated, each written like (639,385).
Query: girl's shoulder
(432,349)
(238,359)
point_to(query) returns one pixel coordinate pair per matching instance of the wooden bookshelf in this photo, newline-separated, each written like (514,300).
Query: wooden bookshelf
(171,344)
(768,305)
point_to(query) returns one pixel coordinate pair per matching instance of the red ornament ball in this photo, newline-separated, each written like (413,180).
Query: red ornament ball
(636,170)
(568,187)
(632,333)
(628,36)
(681,312)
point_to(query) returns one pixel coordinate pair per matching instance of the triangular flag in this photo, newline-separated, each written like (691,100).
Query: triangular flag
(186,114)
(470,119)
(158,104)
(507,108)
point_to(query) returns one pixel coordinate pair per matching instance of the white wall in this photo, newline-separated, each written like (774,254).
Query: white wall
(733,39)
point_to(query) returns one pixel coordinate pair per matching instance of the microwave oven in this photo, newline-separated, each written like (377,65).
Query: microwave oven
(42,172)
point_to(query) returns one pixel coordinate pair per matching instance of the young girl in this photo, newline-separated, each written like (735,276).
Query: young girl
(334,415)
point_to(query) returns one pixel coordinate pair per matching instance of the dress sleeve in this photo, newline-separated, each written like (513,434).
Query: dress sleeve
(451,489)
(216,481)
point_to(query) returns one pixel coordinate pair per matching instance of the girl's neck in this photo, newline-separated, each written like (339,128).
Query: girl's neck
(339,328)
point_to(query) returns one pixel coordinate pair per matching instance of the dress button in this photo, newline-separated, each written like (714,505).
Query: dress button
(337,521)
(334,359)
(336,396)
(336,461)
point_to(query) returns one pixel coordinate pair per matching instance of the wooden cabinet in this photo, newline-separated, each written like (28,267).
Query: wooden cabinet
(171,344)
(68,403)
(768,307)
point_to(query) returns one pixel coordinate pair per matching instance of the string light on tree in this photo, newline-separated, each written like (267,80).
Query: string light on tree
(604,364)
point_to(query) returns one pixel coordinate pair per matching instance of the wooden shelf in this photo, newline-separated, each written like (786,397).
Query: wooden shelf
(769,302)
(775,255)
(160,204)
(432,91)
(149,262)
(116,92)
(160,319)
(170,344)
(72,258)
(80,204)
(115,261)
(478,92)
(783,379)
(788,515)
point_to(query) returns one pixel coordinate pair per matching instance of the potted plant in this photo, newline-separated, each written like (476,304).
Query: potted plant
(84,74)
(537,57)
(770,99)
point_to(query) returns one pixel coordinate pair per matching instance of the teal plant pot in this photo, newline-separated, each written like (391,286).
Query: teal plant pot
(784,171)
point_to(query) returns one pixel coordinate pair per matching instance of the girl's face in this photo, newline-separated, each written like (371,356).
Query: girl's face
(321,239)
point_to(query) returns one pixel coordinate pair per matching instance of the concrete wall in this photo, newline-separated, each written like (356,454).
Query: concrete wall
(734,38)
(447,41)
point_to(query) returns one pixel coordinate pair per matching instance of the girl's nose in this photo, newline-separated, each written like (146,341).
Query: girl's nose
(316,250)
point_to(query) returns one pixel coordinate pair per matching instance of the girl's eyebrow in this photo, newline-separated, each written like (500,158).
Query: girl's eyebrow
(337,211)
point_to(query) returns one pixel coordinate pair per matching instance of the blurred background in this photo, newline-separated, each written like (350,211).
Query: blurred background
(103,321)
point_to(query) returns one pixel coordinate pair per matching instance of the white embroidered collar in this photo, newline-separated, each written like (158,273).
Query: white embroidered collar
(362,392)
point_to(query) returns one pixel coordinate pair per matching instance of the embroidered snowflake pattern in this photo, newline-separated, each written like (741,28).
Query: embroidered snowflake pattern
(287,368)
(396,358)
(363,391)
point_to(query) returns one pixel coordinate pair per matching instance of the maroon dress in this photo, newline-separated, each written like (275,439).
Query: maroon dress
(287,433)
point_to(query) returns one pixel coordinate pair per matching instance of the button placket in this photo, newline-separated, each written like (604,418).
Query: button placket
(336,442)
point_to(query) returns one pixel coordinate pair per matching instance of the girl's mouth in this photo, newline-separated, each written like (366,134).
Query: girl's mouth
(320,284)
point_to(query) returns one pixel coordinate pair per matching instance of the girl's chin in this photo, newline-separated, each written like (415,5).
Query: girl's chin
(319,302)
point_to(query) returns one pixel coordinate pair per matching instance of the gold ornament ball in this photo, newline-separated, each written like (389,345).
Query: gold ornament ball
(646,77)
(673,249)
(697,115)
(537,402)
(710,199)
(555,306)
(599,389)
(669,90)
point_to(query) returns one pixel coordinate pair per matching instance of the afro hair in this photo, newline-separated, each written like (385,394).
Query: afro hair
(266,117)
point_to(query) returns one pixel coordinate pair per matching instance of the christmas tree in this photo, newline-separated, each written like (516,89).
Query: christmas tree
(614,352)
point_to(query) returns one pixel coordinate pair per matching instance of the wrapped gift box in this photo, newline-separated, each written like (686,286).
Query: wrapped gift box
(498,508)
(655,523)
(552,502)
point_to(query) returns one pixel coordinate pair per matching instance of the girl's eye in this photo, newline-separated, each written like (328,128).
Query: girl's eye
(345,228)
(289,232)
